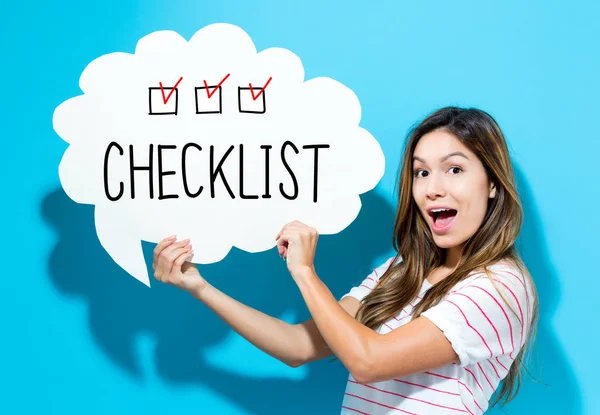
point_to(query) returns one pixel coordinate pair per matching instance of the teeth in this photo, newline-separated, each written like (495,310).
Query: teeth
(439,210)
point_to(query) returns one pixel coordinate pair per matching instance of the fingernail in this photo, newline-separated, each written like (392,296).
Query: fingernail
(171,237)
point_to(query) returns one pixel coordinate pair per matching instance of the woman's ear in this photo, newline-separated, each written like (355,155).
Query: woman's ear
(492,190)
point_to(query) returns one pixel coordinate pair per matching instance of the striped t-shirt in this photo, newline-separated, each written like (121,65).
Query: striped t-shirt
(484,332)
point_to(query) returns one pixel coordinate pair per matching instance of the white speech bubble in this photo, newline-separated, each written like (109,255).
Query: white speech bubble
(130,108)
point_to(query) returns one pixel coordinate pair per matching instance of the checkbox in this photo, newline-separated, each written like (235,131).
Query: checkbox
(208,100)
(251,100)
(157,97)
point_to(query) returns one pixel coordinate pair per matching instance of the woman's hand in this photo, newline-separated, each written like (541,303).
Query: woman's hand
(170,266)
(297,243)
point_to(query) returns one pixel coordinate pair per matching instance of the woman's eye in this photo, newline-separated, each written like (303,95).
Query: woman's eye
(416,172)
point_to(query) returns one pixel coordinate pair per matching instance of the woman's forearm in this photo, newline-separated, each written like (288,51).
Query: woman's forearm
(348,339)
(273,336)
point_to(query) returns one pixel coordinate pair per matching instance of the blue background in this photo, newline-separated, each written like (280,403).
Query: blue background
(81,336)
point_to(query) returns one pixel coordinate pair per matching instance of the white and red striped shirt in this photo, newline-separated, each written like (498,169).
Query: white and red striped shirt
(484,332)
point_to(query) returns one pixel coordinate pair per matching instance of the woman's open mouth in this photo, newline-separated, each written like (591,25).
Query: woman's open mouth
(442,221)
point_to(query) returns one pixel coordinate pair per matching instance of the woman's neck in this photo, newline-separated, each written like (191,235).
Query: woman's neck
(452,257)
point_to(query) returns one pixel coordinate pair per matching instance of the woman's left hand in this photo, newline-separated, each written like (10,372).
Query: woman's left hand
(297,243)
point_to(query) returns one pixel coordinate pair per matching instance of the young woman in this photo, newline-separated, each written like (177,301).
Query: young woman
(438,326)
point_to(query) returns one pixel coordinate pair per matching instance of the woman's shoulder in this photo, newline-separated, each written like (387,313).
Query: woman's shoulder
(505,271)
(502,266)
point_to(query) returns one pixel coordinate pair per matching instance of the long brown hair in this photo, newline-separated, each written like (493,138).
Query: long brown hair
(492,242)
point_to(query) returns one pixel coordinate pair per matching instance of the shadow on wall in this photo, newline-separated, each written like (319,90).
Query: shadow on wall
(121,308)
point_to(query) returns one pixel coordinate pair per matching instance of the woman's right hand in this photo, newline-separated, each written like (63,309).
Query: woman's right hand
(170,265)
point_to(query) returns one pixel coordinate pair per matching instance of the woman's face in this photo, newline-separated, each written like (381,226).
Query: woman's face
(447,175)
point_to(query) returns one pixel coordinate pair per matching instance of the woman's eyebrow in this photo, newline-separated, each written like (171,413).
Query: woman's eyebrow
(447,156)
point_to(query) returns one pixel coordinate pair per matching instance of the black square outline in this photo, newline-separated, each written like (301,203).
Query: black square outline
(240,88)
(164,89)
(220,99)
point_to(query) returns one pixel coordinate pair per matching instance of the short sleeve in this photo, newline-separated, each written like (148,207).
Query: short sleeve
(478,322)
(360,291)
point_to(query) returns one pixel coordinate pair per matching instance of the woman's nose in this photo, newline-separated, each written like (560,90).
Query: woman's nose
(435,186)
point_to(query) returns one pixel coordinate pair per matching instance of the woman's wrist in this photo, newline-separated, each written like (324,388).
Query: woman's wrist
(304,273)
(201,292)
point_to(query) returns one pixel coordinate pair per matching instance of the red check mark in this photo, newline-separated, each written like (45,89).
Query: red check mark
(261,90)
(165,100)
(210,94)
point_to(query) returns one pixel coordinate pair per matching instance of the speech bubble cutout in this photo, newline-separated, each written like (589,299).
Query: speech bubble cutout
(210,140)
